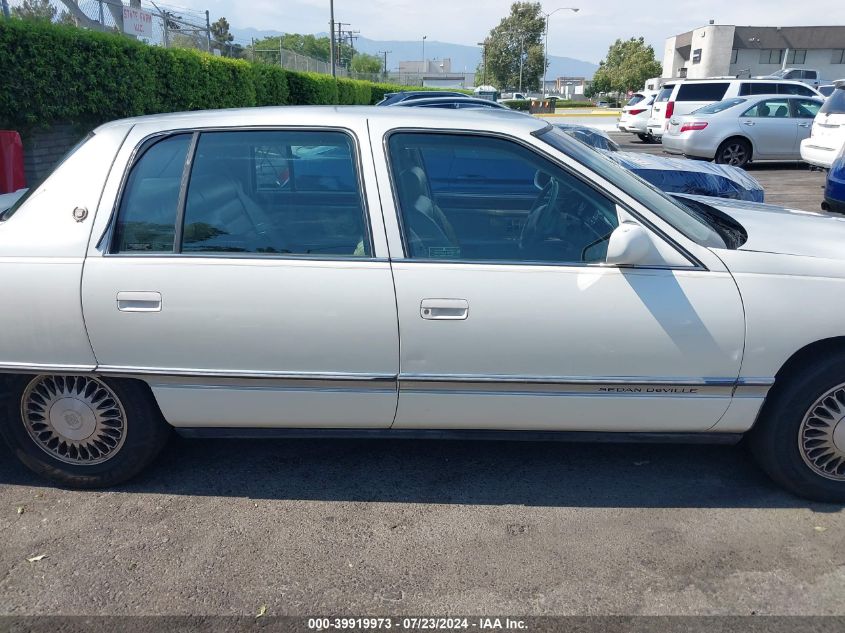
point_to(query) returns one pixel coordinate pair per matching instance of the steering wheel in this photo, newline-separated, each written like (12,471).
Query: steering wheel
(542,217)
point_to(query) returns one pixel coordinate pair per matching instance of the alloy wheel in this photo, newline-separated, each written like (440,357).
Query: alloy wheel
(821,436)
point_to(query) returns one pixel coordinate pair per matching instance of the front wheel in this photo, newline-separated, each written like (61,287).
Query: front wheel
(734,151)
(82,431)
(799,439)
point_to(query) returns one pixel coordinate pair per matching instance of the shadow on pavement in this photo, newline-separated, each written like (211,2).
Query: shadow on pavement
(456,472)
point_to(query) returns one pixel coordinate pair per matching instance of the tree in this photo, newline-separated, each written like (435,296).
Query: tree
(221,37)
(627,66)
(516,44)
(267,49)
(363,63)
(40,10)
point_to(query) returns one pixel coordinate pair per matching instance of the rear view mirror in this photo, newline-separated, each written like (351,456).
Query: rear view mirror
(629,245)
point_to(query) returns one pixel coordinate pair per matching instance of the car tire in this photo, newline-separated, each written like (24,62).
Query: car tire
(734,151)
(81,431)
(645,138)
(798,439)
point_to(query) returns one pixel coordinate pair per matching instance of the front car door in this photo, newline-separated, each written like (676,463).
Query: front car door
(772,129)
(509,318)
(243,276)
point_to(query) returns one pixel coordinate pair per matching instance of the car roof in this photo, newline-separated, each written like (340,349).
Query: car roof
(337,116)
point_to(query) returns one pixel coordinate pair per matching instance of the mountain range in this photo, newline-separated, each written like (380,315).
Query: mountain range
(464,58)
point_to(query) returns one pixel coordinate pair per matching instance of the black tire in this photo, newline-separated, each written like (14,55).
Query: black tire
(145,434)
(775,441)
(645,138)
(734,151)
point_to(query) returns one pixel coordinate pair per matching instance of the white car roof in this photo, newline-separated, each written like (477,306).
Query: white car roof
(474,119)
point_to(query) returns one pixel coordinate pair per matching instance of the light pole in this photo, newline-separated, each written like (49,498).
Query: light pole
(546,46)
(521,58)
(483,46)
(331,38)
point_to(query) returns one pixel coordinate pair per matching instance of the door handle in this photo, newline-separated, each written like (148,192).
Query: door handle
(128,301)
(444,309)
(748,123)
(804,124)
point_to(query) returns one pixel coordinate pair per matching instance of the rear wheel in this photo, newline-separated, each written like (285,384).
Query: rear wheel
(645,138)
(799,439)
(734,151)
(82,431)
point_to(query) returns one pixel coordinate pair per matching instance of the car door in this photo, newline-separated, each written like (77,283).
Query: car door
(243,277)
(804,111)
(771,128)
(509,318)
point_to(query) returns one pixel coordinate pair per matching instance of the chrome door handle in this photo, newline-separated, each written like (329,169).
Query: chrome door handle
(803,125)
(132,301)
(748,122)
(444,309)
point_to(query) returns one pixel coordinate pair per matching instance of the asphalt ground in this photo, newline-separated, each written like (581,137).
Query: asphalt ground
(318,527)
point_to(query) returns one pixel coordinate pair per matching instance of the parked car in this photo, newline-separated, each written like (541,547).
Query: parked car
(834,191)
(453,103)
(686,96)
(828,131)
(673,175)
(809,76)
(391,98)
(635,114)
(742,129)
(156,286)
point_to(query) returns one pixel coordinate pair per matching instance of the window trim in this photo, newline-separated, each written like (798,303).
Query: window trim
(106,243)
(695,263)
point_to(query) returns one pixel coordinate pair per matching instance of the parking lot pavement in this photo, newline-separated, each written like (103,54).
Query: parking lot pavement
(790,185)
(428,527)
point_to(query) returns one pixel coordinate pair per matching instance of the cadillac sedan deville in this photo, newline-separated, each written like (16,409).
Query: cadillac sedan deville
(294,271)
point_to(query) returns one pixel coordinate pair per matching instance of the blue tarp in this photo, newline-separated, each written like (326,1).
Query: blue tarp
(682,175)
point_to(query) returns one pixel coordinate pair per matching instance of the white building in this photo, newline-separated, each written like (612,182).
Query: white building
(720,50)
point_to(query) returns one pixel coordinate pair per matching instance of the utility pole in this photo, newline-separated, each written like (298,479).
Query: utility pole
(521,59)
(483,46)
(385,60)
(339,57)
(331,38)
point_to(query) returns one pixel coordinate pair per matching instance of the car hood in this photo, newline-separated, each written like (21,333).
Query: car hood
(773,229)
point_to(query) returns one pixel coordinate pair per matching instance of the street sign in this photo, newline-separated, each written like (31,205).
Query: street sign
(137,22)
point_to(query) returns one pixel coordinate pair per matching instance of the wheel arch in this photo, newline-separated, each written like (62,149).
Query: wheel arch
(805,356)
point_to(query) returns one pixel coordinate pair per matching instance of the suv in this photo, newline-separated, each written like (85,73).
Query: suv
(686,96)
(828,134)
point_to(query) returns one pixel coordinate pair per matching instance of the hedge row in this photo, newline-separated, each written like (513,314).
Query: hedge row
(53,73)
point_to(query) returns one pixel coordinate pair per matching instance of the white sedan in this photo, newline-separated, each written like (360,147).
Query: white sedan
(397,273)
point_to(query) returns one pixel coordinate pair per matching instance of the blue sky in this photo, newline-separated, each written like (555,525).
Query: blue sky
(585,35)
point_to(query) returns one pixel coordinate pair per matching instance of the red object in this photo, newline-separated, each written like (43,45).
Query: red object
(635,112)
(11,162)
(693,126)
(670,109)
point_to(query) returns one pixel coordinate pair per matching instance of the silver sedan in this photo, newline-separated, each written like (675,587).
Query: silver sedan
(737,131)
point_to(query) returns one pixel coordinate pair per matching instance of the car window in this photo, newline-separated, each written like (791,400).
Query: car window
(635,99)
(719,106)
(313,207)
(795,89)
(468,197)
(750,88)
(835,103)
(704,91)
(664,94)
(769,109)
(146,220)
(806,108)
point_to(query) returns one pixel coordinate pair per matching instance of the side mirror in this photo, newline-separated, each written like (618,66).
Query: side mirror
(629,244)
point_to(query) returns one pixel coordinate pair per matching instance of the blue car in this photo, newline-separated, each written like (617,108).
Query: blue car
(834,190)
(674,175)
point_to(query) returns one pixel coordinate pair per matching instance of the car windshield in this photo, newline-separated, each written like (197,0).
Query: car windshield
(835,103)
(779,73)
(5,215)
(664,94)
(719,106)
(694,224)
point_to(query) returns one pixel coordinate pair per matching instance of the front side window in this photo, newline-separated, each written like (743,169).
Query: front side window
(769,109)
(467,197)
(146,220)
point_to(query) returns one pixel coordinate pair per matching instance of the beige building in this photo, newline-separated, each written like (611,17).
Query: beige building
(721,50)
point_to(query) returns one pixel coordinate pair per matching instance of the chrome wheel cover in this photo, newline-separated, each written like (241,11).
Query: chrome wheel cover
(76,419)
(821,437)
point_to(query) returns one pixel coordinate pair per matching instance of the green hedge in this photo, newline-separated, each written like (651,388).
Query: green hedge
(53,73)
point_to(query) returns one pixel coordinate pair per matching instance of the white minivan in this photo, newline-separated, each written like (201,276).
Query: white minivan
(828,134)
(685,96)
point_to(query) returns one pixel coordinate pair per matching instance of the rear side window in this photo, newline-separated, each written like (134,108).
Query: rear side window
(664,94)
(147,215)
(835,103)
(635,99)
(702,91)
(757,88)
(806,109)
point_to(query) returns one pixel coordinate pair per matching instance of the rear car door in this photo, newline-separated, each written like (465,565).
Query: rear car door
(771,127)
(510,320)
(243,277)
(804,111)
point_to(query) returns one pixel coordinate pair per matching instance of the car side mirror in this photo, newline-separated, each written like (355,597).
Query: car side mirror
(629,245)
